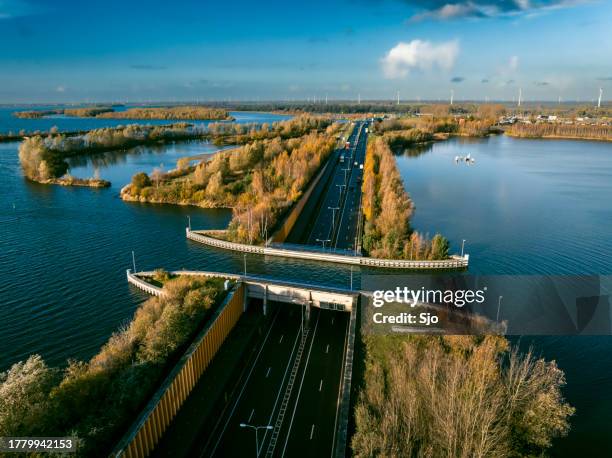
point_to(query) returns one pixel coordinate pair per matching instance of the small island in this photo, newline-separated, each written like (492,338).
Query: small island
(193,113)
(43,158)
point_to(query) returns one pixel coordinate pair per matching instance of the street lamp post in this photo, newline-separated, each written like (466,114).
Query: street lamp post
(498,307)
(333,209)
(323,242)
(462,247)
(256,428)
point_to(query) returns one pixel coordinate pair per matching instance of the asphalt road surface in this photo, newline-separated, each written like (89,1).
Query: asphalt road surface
(309,421)
(350,213)
(337,228)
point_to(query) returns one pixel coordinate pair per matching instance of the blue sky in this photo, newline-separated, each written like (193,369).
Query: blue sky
(64,50)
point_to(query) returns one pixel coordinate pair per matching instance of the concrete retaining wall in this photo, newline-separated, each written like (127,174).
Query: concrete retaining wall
(146,432)
(454,262)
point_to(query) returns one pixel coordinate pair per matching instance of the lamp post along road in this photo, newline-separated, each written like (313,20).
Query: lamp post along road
(499,306)
(323,242)
(256,428)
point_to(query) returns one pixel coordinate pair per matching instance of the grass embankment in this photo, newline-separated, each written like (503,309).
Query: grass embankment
(259,181)
(97,400)
(561,131)
(459,396)
(43,158)
(387,209)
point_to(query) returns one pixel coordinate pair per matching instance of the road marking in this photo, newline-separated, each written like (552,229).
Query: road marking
(346,339)
(297,400)
(280,389)
(268,373)
(281,339)
(311,432)
(320,384)
(327,349)
(251,416)
(241,391)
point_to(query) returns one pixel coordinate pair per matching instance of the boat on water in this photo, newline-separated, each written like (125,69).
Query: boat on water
(467,159)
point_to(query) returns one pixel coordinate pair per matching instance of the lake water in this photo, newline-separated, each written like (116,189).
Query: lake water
(525,207)
(530,207)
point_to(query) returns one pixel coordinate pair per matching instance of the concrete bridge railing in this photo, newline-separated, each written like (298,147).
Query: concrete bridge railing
(454,262)
(265,289)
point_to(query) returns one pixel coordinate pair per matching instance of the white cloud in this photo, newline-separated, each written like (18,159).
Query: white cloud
(419,55)
(60,89)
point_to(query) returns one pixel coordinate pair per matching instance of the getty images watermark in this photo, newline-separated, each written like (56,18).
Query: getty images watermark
(484,304)
(423,296)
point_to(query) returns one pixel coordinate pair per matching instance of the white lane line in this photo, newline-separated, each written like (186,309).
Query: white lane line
(280,388)
(220,436)
(297,400)
(327,349)
(320,384)
(281,339)
(251,416)
(268,373)
(311,432)
(346,338)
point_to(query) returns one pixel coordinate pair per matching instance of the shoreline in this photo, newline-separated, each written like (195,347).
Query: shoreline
(558,137)
(79,182)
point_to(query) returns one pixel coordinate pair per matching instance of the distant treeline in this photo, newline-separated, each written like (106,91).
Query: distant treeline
(164,113)
(456,396)
(424,128)
(552,130)
(35,114)
(95,401)
(259,180)
(387,209)
(87,112)
(180,112)
(238,134)
(43,158)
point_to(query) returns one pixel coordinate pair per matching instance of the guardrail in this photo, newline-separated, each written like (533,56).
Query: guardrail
(454,262)
(142,284)
(145,433)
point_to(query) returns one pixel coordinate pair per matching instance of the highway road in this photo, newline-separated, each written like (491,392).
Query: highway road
(306,426)
(351,206)
(337,229)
